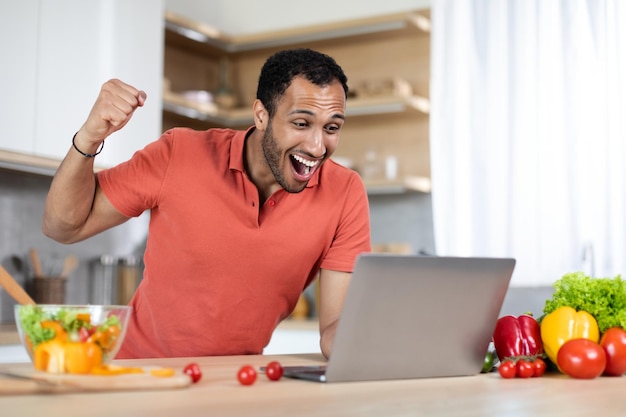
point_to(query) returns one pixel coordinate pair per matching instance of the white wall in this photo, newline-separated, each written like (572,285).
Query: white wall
(18,46)
(236,17)
(56,55)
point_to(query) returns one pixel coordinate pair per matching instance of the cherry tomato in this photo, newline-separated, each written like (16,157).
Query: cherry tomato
(581,358)
(613,341)
(246,375)
(539,367)
(524,369)
(193,370)
(507,369)
(83,334)
(274,371)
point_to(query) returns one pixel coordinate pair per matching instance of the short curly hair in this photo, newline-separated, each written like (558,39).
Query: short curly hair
(281,68)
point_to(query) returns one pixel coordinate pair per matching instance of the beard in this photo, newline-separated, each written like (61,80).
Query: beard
(273,156)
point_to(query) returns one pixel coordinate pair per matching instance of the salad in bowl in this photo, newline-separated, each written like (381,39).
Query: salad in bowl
(76,339)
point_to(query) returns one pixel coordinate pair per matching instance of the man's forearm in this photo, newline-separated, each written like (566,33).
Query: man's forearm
(70,198)
(75,209)
(326,338)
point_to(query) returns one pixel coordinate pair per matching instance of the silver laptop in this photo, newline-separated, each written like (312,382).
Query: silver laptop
(412,316)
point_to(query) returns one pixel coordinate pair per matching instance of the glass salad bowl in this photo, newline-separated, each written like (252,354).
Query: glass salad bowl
(71,338)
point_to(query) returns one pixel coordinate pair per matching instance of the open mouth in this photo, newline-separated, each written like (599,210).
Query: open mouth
(303,167)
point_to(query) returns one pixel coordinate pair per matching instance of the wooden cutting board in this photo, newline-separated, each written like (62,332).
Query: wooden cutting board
(23,379)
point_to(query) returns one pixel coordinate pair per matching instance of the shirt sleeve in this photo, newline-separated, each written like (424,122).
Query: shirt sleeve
(352,236)
(134,186)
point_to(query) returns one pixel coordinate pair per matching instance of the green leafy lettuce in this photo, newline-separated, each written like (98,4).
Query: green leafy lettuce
(31,317)
(110,321)
(603,298)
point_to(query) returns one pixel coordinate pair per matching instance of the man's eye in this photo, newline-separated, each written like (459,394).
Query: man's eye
(300,124)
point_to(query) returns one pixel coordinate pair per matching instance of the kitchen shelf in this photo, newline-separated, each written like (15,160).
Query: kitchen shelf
(386,105)
(387,58)
(399,23)
(208,112)
(30,163)
(406,185)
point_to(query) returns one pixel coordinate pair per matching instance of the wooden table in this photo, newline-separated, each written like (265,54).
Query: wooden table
(219,394)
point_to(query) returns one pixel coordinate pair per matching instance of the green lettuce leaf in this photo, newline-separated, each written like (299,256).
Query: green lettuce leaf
(603,298)
(30,317)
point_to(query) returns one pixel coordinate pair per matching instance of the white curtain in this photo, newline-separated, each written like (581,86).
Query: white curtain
(528,125)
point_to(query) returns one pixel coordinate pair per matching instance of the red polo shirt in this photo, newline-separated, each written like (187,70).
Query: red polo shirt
(221,274)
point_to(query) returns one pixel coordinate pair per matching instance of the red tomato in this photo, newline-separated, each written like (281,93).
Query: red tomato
(507,369)
(246,375)
(83,334)
(524,369)
(539,366)
(613,342)
(274,371)
(581,358)
(193,370)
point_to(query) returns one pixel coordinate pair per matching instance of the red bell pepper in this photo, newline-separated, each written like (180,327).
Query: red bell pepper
(517,337)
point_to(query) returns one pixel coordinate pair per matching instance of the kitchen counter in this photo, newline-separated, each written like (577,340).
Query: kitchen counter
(219,393)
(8,334)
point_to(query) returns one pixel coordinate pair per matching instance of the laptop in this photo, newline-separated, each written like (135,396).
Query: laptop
(413,316)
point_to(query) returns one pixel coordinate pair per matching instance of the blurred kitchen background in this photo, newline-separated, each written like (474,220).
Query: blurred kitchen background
(58,53)
(50,87)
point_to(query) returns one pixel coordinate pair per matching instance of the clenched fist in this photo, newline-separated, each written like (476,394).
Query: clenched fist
(113,108)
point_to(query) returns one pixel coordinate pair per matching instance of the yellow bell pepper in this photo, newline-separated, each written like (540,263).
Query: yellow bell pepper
(81,358)
(59,332)
(86,317)
(106,339)
(116,370)
(56,356)
(50,357)
(563,324)
(163,372)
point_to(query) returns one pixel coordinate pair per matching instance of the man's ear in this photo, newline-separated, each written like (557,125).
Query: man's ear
(261,118)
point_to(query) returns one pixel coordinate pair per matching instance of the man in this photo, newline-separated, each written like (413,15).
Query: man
(241,222)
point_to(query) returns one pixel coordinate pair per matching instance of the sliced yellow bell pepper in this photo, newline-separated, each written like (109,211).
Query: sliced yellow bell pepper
(106,339)
(86,317)
(81,358)
(56,356)
(59,332)
(162,372)
(563,324)
(116,370)
(50,357)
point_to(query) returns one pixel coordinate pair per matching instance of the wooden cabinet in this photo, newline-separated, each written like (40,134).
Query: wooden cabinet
(386,59)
